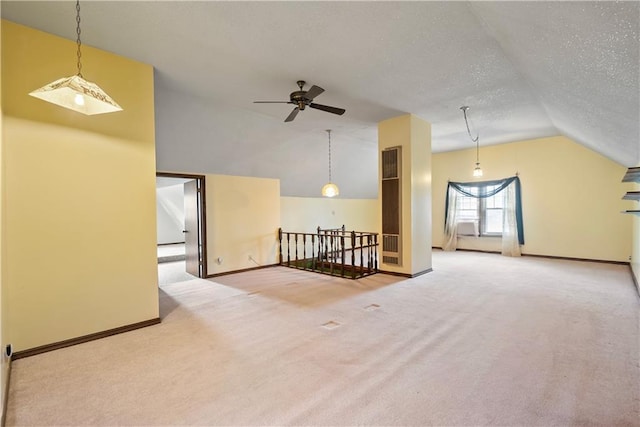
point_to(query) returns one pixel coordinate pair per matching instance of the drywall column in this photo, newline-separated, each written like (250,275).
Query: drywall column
(413,135)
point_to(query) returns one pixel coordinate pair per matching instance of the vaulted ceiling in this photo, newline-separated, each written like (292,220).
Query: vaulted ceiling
(526,69)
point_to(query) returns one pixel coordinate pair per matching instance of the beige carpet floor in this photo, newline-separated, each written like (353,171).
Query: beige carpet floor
(483,340)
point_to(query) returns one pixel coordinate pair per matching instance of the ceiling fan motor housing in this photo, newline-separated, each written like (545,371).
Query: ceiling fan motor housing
(298,98)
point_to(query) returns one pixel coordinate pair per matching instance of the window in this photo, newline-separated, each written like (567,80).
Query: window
(486,213)
(491,208)
(491,214)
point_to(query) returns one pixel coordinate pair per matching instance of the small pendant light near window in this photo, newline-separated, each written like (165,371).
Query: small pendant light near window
(76,93)
(330,189)
(477,171)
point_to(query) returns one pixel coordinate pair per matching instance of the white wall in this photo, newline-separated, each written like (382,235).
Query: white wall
(170,213)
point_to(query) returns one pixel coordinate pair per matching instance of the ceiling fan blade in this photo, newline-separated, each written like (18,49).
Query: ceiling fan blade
(313,92)
(293,115)
(272,102)
(328,109)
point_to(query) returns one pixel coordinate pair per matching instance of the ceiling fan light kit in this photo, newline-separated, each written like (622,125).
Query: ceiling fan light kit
(304,98)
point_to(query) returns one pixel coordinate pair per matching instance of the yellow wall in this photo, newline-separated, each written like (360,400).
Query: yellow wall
(32,59)
(571,197)
(421,208)
(80,231)
(243,216)
(635,256)
(305,214)
(414,136)
(4,337)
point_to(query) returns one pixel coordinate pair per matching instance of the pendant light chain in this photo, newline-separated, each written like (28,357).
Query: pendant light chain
(78,38)
(330,189)
(329,132)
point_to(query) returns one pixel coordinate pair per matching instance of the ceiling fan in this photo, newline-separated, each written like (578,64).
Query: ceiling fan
(302,99)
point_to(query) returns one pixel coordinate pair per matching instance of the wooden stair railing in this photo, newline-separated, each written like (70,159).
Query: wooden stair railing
(327,251)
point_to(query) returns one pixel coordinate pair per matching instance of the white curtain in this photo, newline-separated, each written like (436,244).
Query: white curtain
(451,227)
(510,244)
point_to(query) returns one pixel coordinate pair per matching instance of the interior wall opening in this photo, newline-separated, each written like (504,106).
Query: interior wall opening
(180,227)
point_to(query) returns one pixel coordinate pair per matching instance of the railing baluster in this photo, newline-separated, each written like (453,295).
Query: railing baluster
(375,252)
(342,254)
(353,255)
(304,251)
(361,255)
(313,249)
(325,253)
(331,245)
(369,254)
(280,245)
(319,245)
(288,251)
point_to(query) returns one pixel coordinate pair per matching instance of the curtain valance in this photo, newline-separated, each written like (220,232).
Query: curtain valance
(484,189)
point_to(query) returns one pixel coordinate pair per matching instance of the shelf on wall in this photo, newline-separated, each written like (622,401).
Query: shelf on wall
(632,175)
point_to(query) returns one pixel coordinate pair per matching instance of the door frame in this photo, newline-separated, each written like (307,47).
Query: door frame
(202,211)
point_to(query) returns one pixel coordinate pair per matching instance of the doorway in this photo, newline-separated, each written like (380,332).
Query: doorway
(181,219)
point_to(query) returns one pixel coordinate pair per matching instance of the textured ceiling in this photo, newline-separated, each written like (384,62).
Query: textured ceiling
(526,69)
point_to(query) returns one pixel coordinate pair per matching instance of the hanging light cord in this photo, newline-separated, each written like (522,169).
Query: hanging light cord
(464,111)
(329,133)
(477,152)
(78,38)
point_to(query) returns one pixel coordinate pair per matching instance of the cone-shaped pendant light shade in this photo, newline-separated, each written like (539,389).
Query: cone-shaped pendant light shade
(75,93)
